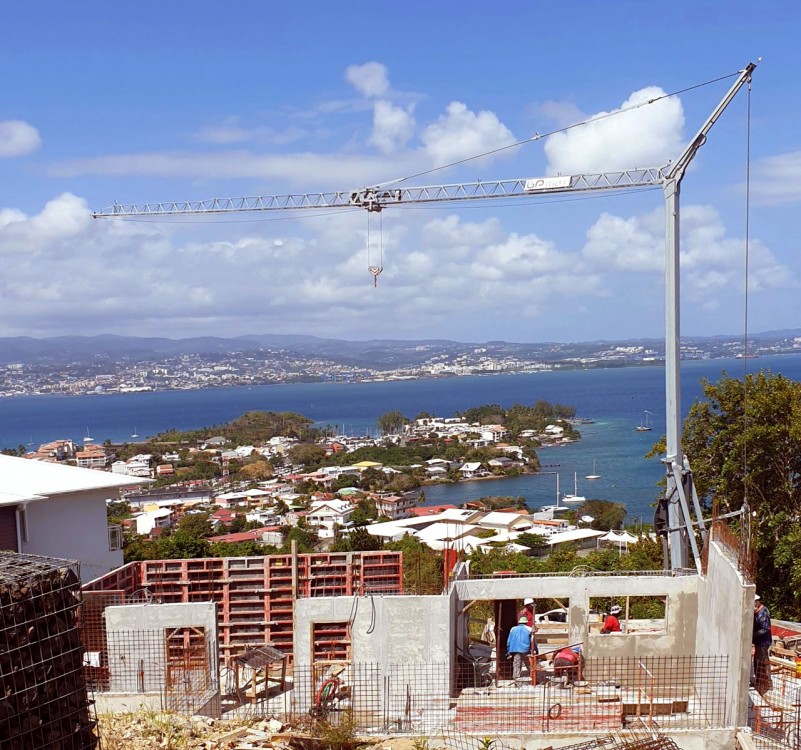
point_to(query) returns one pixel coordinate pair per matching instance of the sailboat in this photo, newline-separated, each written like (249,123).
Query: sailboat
(554,509)
(88,438)
(646,425)
(575,497)
(595,474)
(134,434)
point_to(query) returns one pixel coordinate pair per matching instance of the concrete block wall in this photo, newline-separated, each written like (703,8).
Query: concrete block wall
(681,614)
(725,624)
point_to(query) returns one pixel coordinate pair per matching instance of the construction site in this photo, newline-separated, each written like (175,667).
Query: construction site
(305,638)
(299,641)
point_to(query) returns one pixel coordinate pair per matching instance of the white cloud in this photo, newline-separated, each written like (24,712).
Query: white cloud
(230,132)
(461,133)
(712,263)
(777,179)
(303,276)
(370,79)
(644,137)
(392,127)
(562,113)
(306,170)
(18,138)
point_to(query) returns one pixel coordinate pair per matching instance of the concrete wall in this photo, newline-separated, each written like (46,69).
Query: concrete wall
(135,636)
(74,527)
(681,614)
(385,629)
(410,639)
(725,623)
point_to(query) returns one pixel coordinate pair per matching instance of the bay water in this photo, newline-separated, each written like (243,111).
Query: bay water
(615,399)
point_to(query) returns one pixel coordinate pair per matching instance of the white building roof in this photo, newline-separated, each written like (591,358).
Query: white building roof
(574,535)
(38,480)
(503,520)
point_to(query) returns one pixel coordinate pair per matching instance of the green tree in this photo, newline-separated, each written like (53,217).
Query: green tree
(195,525)
(391,422)
(743,442)
(607,515)
(363,540)
(305,539)
(307,454)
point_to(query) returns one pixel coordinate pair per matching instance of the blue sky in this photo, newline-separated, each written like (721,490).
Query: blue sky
(196,100)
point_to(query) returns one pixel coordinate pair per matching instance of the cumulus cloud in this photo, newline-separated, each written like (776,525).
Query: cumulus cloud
(369,80)
(299,277)
(777,179)
(644,137)
(712,262)
(392,127)
(461,133)
(18,138)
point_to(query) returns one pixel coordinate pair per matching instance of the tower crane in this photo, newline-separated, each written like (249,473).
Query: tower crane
(680,490)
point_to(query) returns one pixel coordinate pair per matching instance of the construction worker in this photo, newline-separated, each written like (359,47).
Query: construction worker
(518,647)
(762,640)
(528,612)
(612,623)
(569,662)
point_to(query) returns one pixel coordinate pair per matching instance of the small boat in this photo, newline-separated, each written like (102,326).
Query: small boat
(645,425)
(575,497)
(134,434)
(554,509)
(595,474)
(88,438)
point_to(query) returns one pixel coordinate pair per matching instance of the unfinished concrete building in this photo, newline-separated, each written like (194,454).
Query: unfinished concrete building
(351,642)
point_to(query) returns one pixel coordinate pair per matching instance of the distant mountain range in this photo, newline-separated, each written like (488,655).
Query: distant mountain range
(385,353)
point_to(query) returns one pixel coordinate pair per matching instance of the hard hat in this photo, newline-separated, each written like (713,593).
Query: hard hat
(522,620)
(577,649)
(756,598)
(528,601)
(615,609)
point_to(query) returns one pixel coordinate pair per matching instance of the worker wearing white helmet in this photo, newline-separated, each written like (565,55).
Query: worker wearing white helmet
(528,612)
(612,623)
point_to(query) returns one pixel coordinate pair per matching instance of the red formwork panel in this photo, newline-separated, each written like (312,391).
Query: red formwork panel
(128,578)
(255,595)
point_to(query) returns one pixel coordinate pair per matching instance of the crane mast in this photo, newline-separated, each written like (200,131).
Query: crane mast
(680,489)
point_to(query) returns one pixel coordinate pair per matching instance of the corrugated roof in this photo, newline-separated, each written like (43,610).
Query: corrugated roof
(38,480)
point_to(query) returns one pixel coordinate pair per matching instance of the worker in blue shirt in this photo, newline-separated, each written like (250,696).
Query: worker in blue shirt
(518,646)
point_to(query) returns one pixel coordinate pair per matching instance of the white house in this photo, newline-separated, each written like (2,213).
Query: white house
(395,506)
(60,511)
(472,469)
(159,518)
(324,515)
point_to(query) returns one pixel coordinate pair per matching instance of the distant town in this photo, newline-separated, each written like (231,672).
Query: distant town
(107,364)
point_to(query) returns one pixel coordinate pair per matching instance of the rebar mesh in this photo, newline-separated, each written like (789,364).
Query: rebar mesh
(428,698)
(43,699)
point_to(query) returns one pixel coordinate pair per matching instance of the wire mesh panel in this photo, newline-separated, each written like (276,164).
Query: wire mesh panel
(43,700)
(426,698)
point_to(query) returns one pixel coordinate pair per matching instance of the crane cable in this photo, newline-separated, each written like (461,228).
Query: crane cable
(372,267)
(540,136)
(745,296)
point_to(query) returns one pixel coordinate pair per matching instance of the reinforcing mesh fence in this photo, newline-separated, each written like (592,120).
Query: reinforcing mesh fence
(609,694)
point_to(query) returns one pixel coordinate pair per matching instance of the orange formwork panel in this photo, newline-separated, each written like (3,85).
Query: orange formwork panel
(255,595)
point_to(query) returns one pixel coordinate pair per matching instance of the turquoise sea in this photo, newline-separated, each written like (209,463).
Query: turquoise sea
(615,399)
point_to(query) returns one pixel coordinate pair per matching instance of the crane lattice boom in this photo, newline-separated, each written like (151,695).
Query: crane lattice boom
(376,198)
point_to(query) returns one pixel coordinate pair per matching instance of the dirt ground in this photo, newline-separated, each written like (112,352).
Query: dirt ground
(158,730)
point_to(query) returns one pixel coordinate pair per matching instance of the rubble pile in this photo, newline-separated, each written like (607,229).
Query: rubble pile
(160,730)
